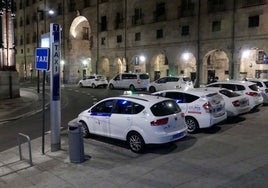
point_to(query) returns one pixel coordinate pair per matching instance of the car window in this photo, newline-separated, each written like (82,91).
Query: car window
(123,107)
(117,77)
(254,87)
(144,76)
(91,77)
(188,98)
(258,83)
(162,80)
(175,95)
(173,79)
(266,83)
(187,79)
(104,107)
(137,108)
(164,108)
(229,93)
(241,87)
(229,86)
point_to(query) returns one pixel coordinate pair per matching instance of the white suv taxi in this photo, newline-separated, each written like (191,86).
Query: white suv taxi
(202,108)
(137,119)
(250,89)
(170,82)
(93,81)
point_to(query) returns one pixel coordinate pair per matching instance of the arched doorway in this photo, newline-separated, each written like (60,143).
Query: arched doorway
(159,66)
(186,65)
(215,66)
(78,62)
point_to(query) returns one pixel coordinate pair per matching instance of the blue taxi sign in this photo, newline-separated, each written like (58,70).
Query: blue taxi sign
(42,59)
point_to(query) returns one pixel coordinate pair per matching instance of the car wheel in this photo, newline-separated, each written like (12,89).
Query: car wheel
(84,129)
(152,89)
(192,124)
(111,86)
(135,142)
(93,86)
(80,85)
(131,88)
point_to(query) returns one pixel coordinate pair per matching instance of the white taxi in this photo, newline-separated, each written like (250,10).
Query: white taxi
(138,119)
(93,81)
(202,108)
(170,82)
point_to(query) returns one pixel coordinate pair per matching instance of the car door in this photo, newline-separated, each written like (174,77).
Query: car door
(161,84)
(100,117)
(121,119)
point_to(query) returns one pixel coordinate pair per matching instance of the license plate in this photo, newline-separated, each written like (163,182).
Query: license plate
(179,135)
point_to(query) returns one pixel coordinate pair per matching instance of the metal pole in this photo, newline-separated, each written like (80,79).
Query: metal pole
(43,123)
(37,44)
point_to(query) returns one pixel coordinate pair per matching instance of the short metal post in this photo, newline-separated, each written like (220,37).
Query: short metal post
(29,146)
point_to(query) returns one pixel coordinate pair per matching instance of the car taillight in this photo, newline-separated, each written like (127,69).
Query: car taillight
(138,81)
(159,122)
(207,106)
(236,103)
(252,94)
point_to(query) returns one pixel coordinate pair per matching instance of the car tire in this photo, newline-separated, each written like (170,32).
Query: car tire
(84,129)
(111,86)
(135,142)
(192,124)
(152,89)
(81,85)
(132,88)
(93,86)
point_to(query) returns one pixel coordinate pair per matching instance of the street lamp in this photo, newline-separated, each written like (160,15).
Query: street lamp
(50,12)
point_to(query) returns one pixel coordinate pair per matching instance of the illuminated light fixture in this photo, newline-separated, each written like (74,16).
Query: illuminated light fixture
(85,63)
(76,22)
(142,58)
(245,54)
(186,56)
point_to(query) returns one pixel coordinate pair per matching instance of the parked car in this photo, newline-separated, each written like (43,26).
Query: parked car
(235,103)
(130,81)
(202,108)
(243,87)
(137,119)
(93,81)
(263,86)
(170,82)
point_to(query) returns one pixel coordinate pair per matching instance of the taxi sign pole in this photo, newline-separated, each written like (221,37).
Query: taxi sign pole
(42,63)
(55,101)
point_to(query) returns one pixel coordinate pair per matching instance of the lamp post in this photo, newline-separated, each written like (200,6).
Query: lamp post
(50,12)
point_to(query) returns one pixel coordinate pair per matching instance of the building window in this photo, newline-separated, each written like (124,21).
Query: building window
(159,33)
(21,51)
(187,8)
(137,19)
(60,9)
(34,17)
(85,33)
(253,21)
(248,3)
(86,3)
(103,23)
(216,26)
(27,38)
(21,40)
(103,39)
(137,36)
(119,38)
(34,37)
(185,30)
(216,5)
(21,22)
(27,20)
(72,6)
(160,13)
(119,20)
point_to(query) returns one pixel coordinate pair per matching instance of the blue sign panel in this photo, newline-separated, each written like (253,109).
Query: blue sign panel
(42,59)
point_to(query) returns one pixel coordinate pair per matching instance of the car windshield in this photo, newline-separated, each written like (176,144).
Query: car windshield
(187,79)
(164,108)
(229,93)
(266,83)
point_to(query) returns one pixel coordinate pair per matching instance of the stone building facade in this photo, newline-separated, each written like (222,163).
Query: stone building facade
(224,39)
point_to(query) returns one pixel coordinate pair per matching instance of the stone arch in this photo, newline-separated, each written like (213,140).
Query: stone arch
(104,66)
(79,57)
(159,66)
(186,65)
(252,64)
(215,66)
